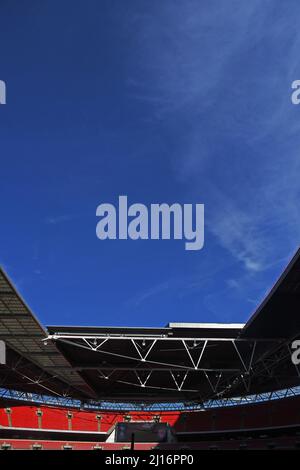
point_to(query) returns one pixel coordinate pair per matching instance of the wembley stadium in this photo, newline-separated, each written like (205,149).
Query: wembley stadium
(181,386)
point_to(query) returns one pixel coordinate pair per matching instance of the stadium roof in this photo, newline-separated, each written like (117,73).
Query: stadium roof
(178,362)
(27,358)
(278,315)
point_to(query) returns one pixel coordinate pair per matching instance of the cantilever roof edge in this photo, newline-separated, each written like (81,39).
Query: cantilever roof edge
(16,292)
(278,314)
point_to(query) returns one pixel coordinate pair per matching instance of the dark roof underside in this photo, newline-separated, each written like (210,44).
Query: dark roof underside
(279,314)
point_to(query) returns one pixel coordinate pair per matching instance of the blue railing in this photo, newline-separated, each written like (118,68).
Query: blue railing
(118,406)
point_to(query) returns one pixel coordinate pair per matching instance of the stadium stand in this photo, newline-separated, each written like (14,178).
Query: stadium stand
(207,368)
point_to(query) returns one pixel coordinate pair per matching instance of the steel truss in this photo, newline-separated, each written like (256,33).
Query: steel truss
(41,379)
(265,366)
(221,385)
(144,346)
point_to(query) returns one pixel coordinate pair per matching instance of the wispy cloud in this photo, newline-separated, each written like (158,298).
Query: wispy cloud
(222,76)
(53,220)
(147,294)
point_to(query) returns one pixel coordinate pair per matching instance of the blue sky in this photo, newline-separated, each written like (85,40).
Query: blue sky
(164,101)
